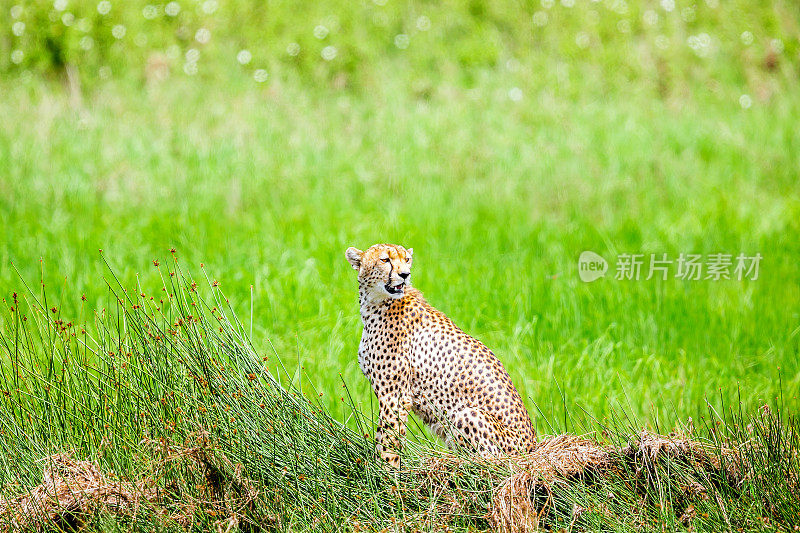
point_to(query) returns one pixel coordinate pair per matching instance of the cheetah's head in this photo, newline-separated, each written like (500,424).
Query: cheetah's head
(383,270)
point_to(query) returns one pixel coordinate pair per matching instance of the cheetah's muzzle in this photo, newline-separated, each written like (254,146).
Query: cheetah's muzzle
(395,289)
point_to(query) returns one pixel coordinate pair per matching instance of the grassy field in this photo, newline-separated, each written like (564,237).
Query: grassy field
(498,141)
(267,190)
(168,419)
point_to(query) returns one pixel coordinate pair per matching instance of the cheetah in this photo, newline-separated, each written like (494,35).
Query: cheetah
(418,360)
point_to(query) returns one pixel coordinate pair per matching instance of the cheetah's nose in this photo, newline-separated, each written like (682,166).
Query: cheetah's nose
(403,275)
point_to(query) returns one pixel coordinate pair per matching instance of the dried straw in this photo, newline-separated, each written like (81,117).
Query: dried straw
(72,491)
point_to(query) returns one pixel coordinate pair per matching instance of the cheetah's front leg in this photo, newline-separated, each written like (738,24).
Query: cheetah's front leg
(391,431)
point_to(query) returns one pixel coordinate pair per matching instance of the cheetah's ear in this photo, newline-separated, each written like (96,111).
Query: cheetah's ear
(353,256)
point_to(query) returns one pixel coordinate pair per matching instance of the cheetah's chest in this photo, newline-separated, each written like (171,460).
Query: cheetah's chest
(365,357)
(383,354)
(430,387)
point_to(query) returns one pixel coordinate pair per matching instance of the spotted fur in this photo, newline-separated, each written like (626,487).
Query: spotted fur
(417,360)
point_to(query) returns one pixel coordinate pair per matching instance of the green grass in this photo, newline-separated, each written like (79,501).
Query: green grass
(636,143)
(267,189)
(170,400)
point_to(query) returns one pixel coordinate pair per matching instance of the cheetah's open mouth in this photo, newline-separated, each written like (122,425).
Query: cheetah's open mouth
(395,289)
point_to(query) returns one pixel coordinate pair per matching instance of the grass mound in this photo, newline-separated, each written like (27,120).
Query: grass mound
(526,491)
(73,491)
(162,416)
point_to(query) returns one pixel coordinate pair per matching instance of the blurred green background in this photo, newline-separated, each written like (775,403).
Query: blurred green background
(499,139)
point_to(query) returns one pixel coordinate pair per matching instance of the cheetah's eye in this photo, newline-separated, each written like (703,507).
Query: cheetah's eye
(385,259)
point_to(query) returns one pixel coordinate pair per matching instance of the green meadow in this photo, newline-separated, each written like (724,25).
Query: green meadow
(499,140)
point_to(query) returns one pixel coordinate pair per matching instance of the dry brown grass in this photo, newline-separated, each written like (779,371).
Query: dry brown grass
(522,496)
(523,485)
(73,491)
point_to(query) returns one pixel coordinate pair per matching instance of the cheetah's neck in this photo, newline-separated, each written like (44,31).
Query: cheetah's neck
(374,310)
